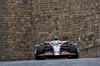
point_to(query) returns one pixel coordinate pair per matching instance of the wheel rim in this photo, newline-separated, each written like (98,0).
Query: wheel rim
(35,50)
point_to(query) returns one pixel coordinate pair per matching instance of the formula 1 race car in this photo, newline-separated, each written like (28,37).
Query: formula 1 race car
(56,48)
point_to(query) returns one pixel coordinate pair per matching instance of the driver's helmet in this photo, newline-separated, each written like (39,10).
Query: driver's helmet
(56,37)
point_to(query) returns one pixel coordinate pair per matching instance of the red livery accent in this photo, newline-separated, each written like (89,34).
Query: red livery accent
(66,52)
(60,42)
(48,41)
(63,41)
(46,53)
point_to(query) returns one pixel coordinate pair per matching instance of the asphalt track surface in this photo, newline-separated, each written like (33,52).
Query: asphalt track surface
(55,62)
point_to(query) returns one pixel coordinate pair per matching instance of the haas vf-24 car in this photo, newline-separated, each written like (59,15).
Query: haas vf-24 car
(56,48)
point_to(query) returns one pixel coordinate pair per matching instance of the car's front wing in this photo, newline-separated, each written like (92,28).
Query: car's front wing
(61,54)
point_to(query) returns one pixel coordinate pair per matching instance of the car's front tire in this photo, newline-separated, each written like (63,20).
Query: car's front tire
(40,58)
(38,50)
(73,49)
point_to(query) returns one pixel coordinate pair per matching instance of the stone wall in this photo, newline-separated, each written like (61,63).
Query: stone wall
(3,29)
(25,23)
(76,21)
(20,35)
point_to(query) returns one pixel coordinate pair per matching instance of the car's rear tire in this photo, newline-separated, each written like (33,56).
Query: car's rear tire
(38,50)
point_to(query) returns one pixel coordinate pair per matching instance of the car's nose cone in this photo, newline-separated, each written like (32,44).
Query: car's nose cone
(56,50)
